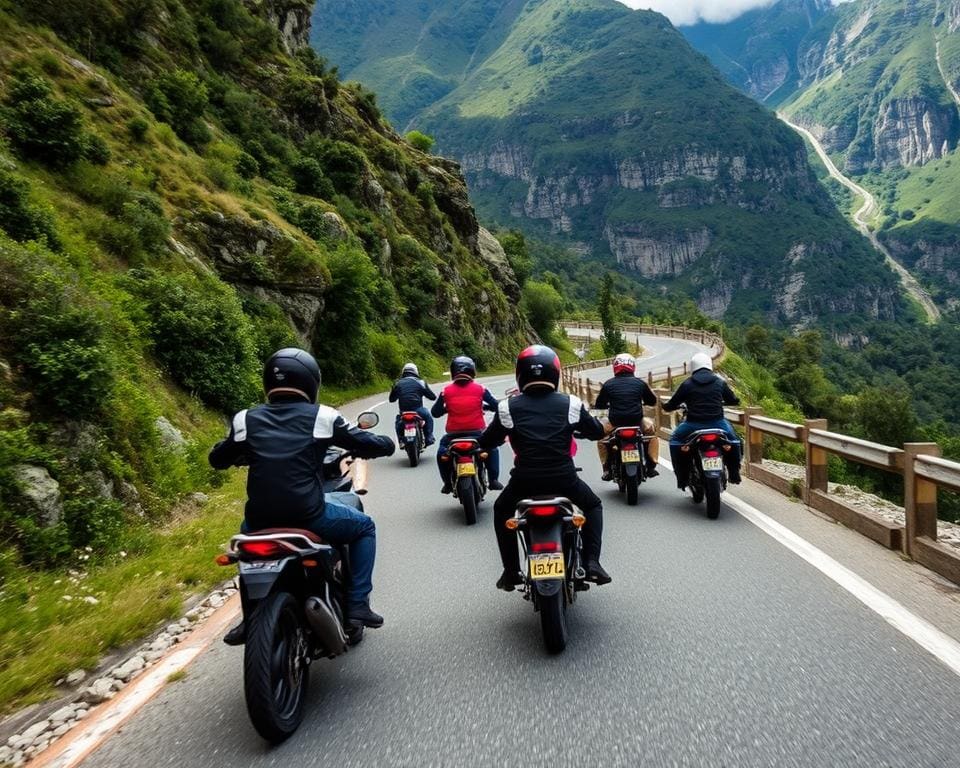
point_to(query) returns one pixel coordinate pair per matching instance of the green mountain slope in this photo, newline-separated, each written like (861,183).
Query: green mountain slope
(183,189)
(597,125)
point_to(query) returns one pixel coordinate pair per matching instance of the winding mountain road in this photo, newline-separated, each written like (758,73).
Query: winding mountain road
(862,217)
(715,645)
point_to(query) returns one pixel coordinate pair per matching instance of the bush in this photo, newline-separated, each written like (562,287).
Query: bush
(343,163)
(542,305)
(41,126)
(180,99)
(388,356)
(310,180)
(420,141)
(96,150)
(18,217)
(247,166)
(137,127)
(200,334)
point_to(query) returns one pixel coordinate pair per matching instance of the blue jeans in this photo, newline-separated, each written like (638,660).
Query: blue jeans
(343,525)
(492,462)
(681,461)
(427,425)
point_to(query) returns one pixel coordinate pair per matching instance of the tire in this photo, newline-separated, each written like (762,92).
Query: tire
(276,672)
(632,485)
(697,491)
(712,490)
(553,621)
(413,454)
(467,494)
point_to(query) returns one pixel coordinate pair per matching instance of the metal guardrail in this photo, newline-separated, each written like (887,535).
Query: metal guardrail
(920,464)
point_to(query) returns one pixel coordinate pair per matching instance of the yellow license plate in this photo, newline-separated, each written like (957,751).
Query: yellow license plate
(466,470)
(547,566)
(631,457)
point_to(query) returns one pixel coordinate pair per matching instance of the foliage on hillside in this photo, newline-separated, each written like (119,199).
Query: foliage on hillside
(180,196)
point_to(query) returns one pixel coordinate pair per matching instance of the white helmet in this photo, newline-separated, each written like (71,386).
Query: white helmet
(700,360)
(624,363)
(410,368)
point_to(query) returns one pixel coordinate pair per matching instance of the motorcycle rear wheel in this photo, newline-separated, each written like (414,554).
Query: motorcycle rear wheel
(712,490)
(553,621)
(276,671)
(468,497)
(413,454)
(632,485)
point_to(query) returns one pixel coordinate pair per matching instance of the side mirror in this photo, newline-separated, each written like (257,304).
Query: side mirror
(367,420)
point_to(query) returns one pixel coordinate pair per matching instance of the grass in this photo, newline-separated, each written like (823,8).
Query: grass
(48,628)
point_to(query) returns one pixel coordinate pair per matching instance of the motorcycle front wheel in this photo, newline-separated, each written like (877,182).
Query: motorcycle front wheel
(712,489)
(553,621)
(276,671)
(468,497)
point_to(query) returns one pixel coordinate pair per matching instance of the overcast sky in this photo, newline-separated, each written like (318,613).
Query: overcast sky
(692,11)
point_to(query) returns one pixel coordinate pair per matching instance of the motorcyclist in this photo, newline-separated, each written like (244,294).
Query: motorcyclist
(625,395)
(410,390)
(284,442)
(540,423)
(463,401)
(704,394)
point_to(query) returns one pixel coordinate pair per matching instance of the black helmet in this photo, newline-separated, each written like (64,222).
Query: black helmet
(292,370)
(463,367)
(538,365)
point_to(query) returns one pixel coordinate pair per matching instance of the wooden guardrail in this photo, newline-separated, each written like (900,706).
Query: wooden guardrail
(919,464)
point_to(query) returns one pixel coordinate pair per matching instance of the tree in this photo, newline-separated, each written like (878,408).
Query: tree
(518,254)
(612,340)
(757,344)
(885,415)
(420,141)
(542,305)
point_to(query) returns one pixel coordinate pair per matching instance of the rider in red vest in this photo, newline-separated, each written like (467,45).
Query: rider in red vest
(463,403)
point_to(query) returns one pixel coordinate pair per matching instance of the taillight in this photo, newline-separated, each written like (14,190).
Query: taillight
(464,459)
(462,446)
(710,438)
(409,417)
(544,511)
(627,433)
(711,454)
(545,546)
(262,548)
(629,446)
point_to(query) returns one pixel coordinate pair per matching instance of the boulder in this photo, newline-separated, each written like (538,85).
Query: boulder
(41,491)
(171,437)
(337,228)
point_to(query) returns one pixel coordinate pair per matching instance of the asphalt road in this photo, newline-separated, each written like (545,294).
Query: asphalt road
(713,646)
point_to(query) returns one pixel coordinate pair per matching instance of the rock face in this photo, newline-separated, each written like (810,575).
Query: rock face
(913,131)
(41,491)
(655,255)
(291,17)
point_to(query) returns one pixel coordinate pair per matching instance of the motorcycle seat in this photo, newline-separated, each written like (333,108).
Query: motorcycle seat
(300,531)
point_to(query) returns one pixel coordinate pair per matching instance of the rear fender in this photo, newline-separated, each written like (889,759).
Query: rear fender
(258,579)
(630,470)
(543,532)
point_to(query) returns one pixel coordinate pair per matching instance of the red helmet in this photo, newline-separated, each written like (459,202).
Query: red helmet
(538,365)
(624,363)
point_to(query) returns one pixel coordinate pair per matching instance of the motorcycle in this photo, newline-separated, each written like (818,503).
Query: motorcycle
(293,589)
(708,472)
(469,474)
(414,442)
(553,570)
(628,459)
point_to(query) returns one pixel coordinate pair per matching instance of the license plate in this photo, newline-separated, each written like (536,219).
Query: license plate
(547,566)
(410,432)
(466,470)
(714,464)
(631,457)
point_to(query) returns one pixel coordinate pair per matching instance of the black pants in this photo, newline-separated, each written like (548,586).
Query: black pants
(573,488)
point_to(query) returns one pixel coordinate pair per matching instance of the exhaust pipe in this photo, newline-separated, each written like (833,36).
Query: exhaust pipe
(325,626)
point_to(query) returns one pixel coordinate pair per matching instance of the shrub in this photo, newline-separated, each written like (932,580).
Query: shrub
(96,150)
(247,166)
(420,141)
(138,127)
(40,125)
(310,179)
(271,328)
(542,305)
(97,523)
(343,163)
(18,217)
(180,99)
(387,352)
(200,335)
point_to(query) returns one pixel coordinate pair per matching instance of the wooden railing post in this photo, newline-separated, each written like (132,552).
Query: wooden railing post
(919,496)
(669,378)
(816,479)
(650,379)
(754,437)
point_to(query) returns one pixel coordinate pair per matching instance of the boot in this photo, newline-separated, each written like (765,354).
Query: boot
(509,580)
(733,474)
(597,574)
(607,475)
(447,488)
(651,469)
(237,635)
(365,616)
(496,485)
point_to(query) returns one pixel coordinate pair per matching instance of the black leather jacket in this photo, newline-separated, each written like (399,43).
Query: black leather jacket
(284,443)
(410,391)
(625,395)
(540,424)
(705,394)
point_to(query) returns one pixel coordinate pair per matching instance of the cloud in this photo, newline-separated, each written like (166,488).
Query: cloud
(682,12)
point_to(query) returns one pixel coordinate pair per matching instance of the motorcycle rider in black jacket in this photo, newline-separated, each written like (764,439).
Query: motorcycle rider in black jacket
(625,395)
(284,442)
(408,392)
(540,423)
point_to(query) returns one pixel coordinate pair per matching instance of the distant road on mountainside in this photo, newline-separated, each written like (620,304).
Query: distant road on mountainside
(862,216)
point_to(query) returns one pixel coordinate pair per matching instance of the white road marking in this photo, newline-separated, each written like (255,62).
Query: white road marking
(922,632)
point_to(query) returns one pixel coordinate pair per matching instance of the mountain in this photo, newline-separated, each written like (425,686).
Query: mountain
(878,83)
(184,188)
(757,51)
(600,126)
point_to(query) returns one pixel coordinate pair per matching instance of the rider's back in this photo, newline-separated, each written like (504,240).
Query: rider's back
(464,406)
(541,425)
